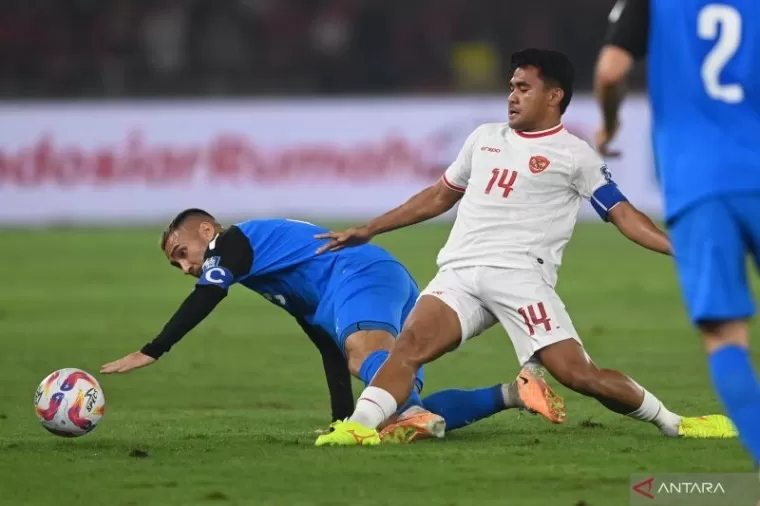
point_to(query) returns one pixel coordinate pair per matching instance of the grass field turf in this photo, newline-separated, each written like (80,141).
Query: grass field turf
(228,416)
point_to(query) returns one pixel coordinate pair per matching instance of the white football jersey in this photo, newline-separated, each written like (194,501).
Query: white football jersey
(522,194)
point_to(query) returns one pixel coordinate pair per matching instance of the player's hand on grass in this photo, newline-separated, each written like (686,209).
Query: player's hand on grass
(132,361)
(347,238)
(603,138)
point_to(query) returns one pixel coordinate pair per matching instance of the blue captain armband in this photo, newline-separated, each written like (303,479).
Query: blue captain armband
(218,276)
(605,198)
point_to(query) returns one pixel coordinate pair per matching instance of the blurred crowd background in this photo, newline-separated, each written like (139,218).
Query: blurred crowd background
(144,48)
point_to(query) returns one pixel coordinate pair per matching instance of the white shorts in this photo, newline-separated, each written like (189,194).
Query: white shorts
(529,309)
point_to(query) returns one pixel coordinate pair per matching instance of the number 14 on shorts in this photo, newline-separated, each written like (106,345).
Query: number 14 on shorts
(535,315)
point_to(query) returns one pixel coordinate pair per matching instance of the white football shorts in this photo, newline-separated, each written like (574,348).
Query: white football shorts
(528,308)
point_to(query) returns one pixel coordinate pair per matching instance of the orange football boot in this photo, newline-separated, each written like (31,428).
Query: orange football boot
(414,424)
(539,397)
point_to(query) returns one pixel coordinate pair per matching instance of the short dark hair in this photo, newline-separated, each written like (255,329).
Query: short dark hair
(180,219)
(553,67)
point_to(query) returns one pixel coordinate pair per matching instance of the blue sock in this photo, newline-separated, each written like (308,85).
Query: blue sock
(738,389)
(462,407)
(370,367)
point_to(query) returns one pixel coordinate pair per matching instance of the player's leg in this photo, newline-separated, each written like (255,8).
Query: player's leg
(367,351)
(369,310)
(432,330)
(461,408)
(375,298)
(538,325)
(569,364)
(734,378)
(710,242)
(458,407)
(443,315)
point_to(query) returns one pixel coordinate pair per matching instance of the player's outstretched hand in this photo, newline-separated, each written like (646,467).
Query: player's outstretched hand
(132,361)
(603,138)
(345,239)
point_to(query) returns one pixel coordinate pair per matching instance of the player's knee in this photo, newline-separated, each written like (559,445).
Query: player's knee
(362,344)
(717,334)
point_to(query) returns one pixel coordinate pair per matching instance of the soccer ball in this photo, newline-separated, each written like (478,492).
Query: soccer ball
(69,403)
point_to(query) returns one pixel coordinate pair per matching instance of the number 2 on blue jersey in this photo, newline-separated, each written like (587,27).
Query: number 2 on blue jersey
(721,23)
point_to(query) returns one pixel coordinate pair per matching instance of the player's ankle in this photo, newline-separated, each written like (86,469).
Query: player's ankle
(511,396)
(654,411)
(374,406)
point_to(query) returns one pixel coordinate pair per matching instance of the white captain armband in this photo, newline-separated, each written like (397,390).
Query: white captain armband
(605,198)
(218,276)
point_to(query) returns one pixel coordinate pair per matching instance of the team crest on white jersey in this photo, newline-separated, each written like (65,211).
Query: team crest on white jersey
(538,164)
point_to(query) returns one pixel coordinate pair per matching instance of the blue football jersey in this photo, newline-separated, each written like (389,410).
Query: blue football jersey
(704,86)
(277,259)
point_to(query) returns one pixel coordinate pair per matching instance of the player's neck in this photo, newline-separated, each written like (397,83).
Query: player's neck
(541,130)
(543,126)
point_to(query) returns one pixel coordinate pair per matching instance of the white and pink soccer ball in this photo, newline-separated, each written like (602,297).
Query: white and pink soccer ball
(69,402)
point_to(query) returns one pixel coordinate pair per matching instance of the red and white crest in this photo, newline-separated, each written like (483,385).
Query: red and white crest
(538,164)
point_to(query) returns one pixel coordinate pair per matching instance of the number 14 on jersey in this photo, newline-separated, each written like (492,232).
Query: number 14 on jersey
(506,180)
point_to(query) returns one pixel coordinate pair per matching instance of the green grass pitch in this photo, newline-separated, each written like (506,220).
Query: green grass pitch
(227,417)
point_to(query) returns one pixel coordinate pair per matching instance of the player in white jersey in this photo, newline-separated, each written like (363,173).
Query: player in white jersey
(521,185)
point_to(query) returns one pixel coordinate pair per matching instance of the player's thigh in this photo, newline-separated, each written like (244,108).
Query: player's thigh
(431,330)
(446,314)
(457,290)
(530,310)
(373,299)
(710,255)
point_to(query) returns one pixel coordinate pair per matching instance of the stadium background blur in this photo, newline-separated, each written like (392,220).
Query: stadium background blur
(126,48)
(116,114)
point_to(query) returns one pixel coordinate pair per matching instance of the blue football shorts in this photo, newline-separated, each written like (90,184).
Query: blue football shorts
(711,242)
(377,297)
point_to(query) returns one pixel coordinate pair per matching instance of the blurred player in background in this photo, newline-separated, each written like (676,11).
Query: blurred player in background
(704,86)
(521,185)
(352,304)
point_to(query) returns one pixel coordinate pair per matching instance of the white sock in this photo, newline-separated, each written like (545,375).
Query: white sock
(654,411)
(511,396)
(374,406)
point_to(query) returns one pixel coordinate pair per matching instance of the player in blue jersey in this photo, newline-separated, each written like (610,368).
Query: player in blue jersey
(352,305)
(704,86)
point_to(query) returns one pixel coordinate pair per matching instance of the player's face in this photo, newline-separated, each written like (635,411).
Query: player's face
(531,100)
(186,247)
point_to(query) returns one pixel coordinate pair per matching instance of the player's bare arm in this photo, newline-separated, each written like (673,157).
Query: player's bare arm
(429,203)
(612,68)
(625,42)
(637,227)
